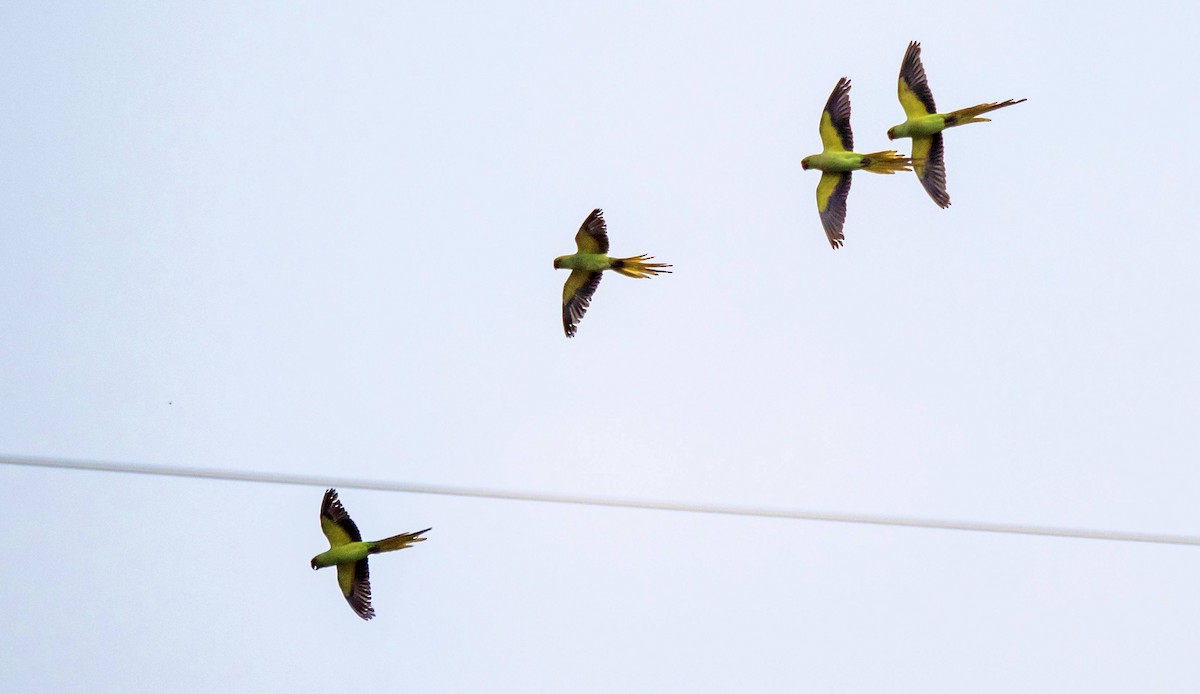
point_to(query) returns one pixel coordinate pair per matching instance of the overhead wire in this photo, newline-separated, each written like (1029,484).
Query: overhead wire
(599,501)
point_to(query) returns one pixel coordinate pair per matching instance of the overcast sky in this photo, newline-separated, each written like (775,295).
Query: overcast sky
(310,239)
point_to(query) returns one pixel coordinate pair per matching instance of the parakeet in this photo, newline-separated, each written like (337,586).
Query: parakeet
(349,553)
(587,264)
(838,159)
(925,124)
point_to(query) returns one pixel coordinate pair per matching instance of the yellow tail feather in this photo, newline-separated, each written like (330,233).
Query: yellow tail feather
(886,162)
(396,542)
(971,113)
(638,267)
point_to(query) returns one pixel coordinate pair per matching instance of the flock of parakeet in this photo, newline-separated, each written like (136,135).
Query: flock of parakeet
(837,160)
(922,123)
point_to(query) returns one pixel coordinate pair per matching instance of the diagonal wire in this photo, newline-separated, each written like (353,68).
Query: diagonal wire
(607,502)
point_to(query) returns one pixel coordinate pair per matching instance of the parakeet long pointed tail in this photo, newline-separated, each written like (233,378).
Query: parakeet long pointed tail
(396,542)
(971,114)
(638,267)
(886,162)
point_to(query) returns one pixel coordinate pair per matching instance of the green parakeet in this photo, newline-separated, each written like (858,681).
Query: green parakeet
(349,553)
(837,159)
(589,262)
(925,124)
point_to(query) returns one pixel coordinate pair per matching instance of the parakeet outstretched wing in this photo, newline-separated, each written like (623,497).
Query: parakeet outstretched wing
(592,236)
(335,522)
(930,166)
(577,294)
(832,190)
(835,120)
(913,88)
(355,582)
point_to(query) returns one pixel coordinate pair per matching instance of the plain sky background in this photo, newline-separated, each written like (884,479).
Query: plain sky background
(317,239)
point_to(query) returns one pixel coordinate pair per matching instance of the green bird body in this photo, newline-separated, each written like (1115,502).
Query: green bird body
(587,262)
(344,554)
(349,553)
(837,160)
(587,265)
(924,124)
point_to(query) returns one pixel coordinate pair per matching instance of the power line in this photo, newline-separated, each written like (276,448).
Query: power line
(580,500)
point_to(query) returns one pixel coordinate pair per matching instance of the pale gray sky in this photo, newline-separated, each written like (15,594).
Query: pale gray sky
(310,239)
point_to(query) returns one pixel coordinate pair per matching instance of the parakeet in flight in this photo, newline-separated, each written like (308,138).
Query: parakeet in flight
(589,262)
(925,124)
(838,159)
(349,553)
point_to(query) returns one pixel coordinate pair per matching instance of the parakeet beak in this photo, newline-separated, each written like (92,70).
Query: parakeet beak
(313,564)
(556,263)
(891,133)
(804,164)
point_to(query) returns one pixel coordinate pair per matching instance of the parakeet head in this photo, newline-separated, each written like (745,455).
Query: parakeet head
(804,163)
